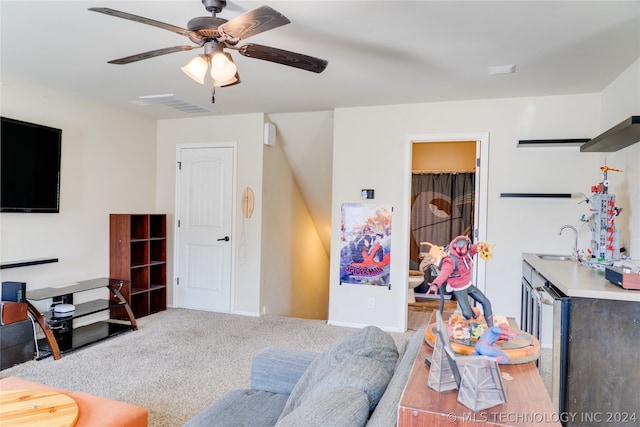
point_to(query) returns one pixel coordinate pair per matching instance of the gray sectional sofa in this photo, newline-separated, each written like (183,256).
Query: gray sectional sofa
(356,382)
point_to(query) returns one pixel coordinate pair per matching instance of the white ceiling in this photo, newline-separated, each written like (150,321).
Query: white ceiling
(379,52)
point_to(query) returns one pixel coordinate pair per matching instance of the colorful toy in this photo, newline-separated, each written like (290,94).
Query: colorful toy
(455,271)
(485,250)
(605,238)
(486,344)
(433,256)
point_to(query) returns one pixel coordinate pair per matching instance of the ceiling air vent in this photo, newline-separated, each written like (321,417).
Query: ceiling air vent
(171,101)
(575,142)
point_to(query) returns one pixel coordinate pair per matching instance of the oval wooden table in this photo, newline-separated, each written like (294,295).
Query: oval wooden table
(521,349)
(37,408)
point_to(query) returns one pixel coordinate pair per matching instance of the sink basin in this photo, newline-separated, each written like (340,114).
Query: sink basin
(551,257)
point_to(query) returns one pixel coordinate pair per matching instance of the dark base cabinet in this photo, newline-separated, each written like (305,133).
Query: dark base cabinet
(603,371)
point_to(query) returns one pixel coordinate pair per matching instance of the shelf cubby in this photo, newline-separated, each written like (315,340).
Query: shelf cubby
(158,299)
(158,224)
(139,227)
(140,304)
(139,253)
(158,250)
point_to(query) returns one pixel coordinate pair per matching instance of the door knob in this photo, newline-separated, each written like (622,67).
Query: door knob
(225,238)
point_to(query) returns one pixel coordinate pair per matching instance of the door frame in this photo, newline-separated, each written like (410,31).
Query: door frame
(234,199)
(481,195)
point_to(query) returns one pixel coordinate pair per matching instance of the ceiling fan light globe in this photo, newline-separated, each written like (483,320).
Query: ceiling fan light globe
(196,69)
(222,67)
(231,81)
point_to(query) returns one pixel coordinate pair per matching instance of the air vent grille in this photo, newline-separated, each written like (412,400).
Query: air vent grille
(171,101)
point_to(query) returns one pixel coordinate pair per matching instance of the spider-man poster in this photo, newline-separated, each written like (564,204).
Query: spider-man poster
(366,244)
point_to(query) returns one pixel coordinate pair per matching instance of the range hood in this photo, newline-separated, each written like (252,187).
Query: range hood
(618,137)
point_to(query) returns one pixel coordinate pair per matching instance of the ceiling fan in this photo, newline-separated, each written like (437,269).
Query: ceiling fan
(215,34)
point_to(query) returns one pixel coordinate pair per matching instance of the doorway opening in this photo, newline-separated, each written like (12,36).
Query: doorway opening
(442,193)
(446,198)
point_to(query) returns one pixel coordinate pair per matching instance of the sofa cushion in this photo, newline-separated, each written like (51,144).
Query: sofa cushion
(241,408)
(348,407)
(364,360)
(386,412)
(278,369)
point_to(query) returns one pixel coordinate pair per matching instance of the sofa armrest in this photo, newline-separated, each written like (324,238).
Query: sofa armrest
(278,370)
(386,413)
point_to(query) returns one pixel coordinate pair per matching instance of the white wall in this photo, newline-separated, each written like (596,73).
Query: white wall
(620,100)
(369,145)
(307,141)
(107,166)
(295,265)
(246,131)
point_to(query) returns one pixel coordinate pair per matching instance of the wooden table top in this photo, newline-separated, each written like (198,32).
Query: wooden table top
(37,408)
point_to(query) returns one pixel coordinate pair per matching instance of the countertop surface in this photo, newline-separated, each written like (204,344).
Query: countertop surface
(577,280)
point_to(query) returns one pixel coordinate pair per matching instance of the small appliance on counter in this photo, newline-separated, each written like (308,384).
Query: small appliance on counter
(624,275)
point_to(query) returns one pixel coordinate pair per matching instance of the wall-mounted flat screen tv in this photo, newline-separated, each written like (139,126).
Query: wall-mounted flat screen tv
(29,167)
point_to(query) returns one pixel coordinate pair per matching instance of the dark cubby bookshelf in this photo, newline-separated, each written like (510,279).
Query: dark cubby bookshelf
(138,253)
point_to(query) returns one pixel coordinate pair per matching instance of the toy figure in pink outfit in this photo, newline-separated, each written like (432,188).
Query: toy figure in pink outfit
(455,271)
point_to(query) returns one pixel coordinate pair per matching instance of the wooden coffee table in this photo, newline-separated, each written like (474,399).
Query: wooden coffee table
(37,408)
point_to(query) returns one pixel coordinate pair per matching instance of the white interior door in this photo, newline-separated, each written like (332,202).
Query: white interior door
(204,224)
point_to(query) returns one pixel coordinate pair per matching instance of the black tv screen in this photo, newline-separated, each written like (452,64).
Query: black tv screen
(29,167)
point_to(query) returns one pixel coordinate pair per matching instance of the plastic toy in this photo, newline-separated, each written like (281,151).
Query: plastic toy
(605,238)
(455,270)
(486,344)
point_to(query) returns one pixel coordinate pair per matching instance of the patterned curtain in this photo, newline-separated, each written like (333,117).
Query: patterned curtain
(441,208)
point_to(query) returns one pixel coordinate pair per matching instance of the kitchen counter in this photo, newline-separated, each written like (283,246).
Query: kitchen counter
(594,362)
(577,280)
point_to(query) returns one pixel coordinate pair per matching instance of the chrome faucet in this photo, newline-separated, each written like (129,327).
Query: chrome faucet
(576,254)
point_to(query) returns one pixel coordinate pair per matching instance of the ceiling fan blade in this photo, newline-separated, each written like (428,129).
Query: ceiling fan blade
(283,57)
(195,37)
(150,54)
(254,22)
